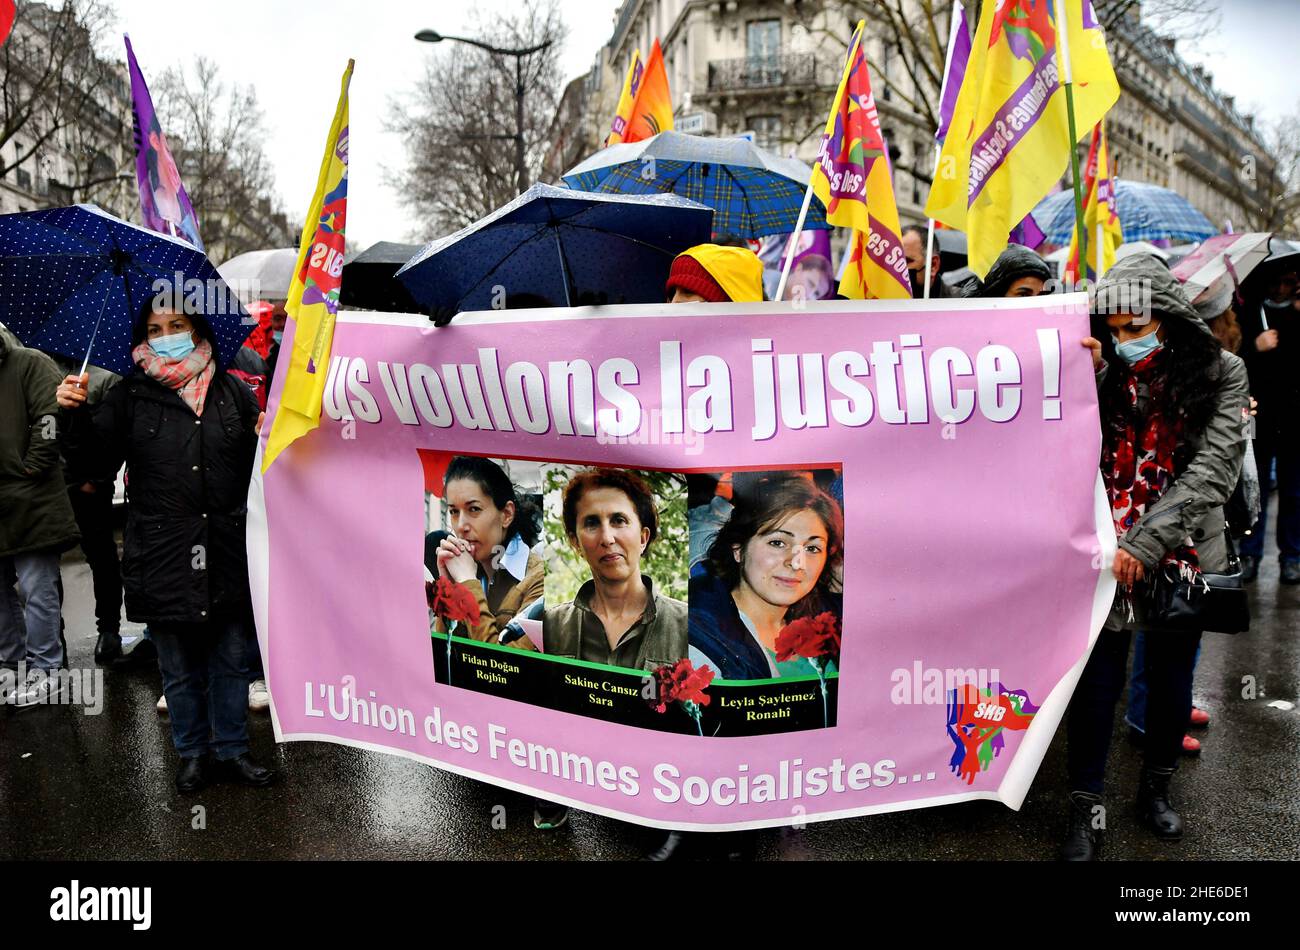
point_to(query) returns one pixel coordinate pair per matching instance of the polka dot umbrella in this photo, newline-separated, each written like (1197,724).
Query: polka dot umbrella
(75,281)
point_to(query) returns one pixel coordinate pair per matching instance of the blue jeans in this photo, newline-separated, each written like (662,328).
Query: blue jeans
(1169,659)
(254,651)
(1286,449)
(1136,715)
(205,679)
(31,634)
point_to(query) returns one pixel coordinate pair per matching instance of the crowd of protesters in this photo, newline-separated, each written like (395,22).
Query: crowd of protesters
(1172,395)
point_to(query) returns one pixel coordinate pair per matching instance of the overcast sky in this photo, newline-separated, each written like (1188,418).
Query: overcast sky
(295,53)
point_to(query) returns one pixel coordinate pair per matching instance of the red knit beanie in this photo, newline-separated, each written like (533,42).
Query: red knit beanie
(690,275)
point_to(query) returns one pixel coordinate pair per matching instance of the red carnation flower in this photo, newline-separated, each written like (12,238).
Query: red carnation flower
(682,683)
(809,637)
(451,601)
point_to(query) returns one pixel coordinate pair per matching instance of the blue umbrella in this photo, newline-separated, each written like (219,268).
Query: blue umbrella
(1146,213)
(556,247)
(751,191)
(74,281)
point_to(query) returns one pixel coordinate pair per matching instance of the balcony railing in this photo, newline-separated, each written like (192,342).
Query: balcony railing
(787,69)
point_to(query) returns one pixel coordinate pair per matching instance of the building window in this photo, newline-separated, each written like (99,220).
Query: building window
(767,131)
(24,180)
(763,40)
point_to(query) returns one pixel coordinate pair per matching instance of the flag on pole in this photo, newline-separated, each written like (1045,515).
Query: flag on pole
(626,99)
(1099,210)
(314,293)
(8,13)
(652,107)
(852,178)
(954,69)
(1009,143)
(164,205)
(1028,233)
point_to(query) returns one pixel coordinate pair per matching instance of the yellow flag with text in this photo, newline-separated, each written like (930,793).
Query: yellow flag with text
(314,293)
(1009,141)
(852,179)
(623,114)
(1098,210)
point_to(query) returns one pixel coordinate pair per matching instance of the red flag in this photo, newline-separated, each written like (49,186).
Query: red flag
(8,11)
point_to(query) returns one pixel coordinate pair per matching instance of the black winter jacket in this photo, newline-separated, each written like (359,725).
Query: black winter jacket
(184,558)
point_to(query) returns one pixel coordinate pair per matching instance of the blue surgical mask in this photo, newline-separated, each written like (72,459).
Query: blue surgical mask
(1133,352)
(276,335)
(175,346)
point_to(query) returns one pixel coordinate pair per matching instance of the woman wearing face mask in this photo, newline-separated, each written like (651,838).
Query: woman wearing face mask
(1172,407)
(488,547)
(187,432)
(774,561)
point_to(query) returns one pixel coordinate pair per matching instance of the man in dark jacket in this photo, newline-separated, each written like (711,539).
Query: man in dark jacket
(36,524)
(1270,326)
(914,240)
(187,432)
(92,504)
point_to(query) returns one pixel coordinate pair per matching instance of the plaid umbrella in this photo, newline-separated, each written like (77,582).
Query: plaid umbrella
(75,281)
(751,191)
(1146,213)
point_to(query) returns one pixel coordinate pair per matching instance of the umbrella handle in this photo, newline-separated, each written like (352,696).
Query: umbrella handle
(564,267)
(102,308)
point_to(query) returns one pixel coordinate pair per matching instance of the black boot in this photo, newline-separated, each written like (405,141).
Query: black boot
(108,647)
(1249,568)
(1083,839)
(1153,806)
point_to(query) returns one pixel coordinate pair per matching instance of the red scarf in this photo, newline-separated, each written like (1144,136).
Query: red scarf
(1137,459)
(190,377)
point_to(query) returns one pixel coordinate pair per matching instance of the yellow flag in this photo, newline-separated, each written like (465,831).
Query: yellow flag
(1009,141)
(314,294)
(1099,209)
(623,114)
(852,179)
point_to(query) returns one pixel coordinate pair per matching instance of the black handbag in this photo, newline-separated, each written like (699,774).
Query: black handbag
(1210,602)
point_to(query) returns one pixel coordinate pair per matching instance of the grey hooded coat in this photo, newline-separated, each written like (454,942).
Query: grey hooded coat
(1191,510)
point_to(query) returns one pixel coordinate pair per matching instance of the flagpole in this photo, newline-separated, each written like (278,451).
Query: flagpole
(794,240)
(954,24)
(1067,79)
(929,231)
(1100,229)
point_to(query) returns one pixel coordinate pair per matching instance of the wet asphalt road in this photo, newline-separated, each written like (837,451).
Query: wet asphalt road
(79,787)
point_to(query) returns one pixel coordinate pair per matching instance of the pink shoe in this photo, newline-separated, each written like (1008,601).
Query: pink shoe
(1191,745)
(1200,717)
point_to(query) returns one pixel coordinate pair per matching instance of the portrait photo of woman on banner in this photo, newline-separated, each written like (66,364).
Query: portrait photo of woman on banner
(630,539)
(485,548)
(766,592)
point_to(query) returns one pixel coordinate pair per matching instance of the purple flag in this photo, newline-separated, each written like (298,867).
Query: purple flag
(164,205)
(813,269)
(954,69)
(1028,233)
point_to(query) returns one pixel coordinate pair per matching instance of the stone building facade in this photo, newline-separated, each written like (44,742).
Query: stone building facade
(90,157)
(770,68)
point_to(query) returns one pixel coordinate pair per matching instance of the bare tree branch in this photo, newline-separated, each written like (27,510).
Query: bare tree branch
(458,124)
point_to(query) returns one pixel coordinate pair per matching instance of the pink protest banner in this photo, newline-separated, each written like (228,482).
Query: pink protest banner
(862,546)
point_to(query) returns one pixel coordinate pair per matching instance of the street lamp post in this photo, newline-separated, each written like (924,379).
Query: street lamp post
(521,168)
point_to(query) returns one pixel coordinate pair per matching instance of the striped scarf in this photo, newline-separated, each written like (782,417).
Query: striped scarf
(190,377)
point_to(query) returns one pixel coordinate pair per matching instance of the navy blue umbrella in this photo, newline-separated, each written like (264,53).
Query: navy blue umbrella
(560,248)
(74,281)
